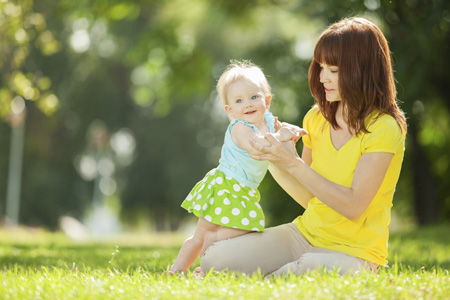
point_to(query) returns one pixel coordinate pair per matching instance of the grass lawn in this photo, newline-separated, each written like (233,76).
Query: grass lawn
(40,265)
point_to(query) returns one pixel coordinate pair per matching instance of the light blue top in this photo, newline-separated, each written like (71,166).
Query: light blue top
(235,162)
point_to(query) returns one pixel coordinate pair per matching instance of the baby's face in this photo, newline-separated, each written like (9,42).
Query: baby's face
(246,101)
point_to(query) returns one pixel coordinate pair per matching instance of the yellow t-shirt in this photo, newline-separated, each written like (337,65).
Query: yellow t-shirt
(366,237)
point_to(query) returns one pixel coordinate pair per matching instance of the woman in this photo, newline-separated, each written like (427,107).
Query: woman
(346,176)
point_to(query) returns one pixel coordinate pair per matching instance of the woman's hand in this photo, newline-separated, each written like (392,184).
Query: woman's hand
(279,153)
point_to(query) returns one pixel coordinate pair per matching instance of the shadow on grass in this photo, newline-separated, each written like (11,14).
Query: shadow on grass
(93,256)
(425,248)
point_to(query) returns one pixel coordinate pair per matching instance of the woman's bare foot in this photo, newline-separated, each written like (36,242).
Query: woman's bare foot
(209,239)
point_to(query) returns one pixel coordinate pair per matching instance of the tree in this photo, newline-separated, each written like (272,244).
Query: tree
(22,30)
(149,68)
(420,37)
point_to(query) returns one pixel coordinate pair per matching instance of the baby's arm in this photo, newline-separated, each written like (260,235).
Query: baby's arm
(242,134)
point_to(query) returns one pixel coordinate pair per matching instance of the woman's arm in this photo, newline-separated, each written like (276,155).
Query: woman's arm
(351,202)
(290,184)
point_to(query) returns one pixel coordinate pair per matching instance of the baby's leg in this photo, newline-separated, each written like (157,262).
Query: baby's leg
(223,233)
(192,246)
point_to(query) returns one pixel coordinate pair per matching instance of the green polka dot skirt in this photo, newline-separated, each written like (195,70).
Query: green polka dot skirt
(224,201)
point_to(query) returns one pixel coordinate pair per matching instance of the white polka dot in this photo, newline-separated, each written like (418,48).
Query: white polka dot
(234,196)
(251,193)
(252,214)
(228,178)
(243,185)
(245,221)
(219,180)
(257,205)
(199,196)
(211,201)
(208,218)
(213,182)
(246,198)
(218,210)
(189,197)
(197,207)
(262,222)
(236,187)
(209,187)
(255,229)
(243,204)
(213,172)
(225,220)
(205,206)
(220,193)
(235,211)
(226,201)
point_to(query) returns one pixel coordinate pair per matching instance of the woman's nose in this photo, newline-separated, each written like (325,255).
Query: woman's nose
(323,77)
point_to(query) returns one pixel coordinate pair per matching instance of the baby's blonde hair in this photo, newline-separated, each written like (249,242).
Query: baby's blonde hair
(241,70)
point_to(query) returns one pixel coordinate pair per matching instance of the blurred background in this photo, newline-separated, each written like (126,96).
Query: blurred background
(108,114)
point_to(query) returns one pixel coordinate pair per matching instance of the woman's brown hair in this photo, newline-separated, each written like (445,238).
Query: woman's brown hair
(366,80)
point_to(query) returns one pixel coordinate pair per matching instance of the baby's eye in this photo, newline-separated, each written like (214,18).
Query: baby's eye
(239,101)
(255,97)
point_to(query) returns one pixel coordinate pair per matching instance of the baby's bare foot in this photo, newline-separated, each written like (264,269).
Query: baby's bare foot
(173,270)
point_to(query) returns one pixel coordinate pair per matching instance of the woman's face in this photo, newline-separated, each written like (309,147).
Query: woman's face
(329,77)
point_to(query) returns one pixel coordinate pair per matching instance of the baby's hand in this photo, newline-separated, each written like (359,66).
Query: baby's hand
(277,124)
(290,132)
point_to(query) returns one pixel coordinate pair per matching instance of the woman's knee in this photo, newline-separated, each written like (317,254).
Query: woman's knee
(313,261)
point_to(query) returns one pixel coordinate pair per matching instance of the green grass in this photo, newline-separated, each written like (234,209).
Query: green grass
(42,265)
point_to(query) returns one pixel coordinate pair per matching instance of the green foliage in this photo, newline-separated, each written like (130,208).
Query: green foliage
(149,68)
(22,31)
(49,266)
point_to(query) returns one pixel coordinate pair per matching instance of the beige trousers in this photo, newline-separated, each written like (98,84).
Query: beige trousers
(279,250)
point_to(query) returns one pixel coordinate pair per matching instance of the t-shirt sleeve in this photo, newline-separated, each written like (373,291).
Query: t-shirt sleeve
(308,121)
(385,136)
